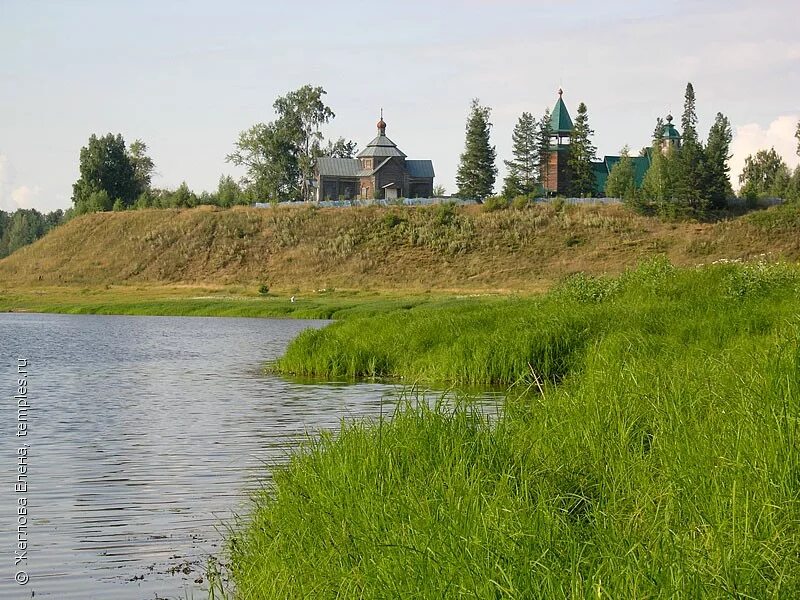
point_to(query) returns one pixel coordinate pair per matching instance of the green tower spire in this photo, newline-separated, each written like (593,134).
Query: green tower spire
(560,121)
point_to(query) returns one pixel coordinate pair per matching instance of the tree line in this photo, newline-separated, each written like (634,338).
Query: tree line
(696,178)
(116,177)
(689,180)
(528,170)
(24,226)
(693,178)
(279,156)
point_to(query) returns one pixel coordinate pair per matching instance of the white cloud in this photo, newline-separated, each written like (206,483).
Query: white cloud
(24,196)
(14,196)
(749,139)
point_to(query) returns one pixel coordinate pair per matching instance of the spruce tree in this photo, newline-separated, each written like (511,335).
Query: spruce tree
(689,187)
(581,154)
(794,185)
(689,116)
(521,178)
(543,146)
(717,183)
(477,172)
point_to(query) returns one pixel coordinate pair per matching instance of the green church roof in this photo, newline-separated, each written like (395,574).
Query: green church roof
(669,132)
(602,169)
(560,121)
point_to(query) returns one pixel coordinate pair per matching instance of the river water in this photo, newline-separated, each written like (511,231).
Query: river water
(144,436)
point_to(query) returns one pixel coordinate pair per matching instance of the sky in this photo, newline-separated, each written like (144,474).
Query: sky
(187,77)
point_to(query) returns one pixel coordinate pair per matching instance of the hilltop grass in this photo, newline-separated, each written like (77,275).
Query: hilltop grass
(658,457)
(398,250)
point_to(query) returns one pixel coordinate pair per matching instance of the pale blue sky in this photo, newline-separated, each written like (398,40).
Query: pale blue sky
(186,77)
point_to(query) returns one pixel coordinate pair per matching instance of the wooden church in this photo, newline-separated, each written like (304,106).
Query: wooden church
(380,171)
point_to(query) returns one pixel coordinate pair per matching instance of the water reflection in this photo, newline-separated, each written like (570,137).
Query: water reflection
(146,433)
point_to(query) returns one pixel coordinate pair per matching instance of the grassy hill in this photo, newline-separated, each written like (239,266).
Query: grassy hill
(396,248)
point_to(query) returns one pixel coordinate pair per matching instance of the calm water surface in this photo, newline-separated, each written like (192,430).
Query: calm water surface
(146,434)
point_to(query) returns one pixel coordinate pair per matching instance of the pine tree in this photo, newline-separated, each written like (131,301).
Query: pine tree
(477,172)
(689,188)
(621,181)
(581,154)
(717,183)
(521,178)
(543,146)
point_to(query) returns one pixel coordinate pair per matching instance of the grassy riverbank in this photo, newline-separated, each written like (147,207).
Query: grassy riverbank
(196,301)
(658,456)
(500,340)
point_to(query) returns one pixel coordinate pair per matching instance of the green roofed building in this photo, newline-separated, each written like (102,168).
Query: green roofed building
(556,173)
(601,169)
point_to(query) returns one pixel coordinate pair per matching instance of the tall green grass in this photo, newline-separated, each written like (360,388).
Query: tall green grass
(658,457)
(499,341)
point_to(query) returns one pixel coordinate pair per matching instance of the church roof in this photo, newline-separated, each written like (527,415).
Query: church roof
(420,168)
(381,146)
(602,169)
(351,167)
(560,121)
(669,132)
(338,167)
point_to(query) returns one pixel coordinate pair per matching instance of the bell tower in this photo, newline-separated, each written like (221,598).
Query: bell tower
(556,178)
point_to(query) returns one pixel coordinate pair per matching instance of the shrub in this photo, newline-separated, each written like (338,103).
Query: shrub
(782,218)
(494,203)
(445,213)
(573,240)
(263,289)
(392,220)
(520,202)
